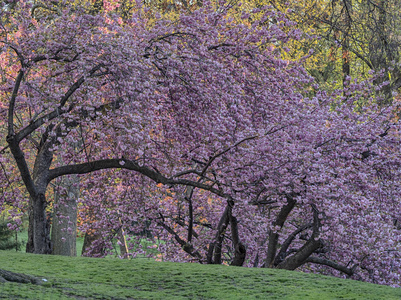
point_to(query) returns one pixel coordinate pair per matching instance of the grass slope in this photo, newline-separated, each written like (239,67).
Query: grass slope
(88,278)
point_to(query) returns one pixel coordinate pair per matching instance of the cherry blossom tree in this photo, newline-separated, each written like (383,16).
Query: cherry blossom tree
(200,130)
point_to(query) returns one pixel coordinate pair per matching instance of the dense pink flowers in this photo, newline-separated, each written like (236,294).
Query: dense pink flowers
(209,109)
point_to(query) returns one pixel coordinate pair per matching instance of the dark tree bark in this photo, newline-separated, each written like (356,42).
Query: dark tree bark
(332,264)
(36,182)
(273,236)
(7,276)
(39,225)
(39,230)
(214,255)
(282,254)
(239,248)
(299,258)
(187,247)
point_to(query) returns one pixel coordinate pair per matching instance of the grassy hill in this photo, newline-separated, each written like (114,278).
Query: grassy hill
(88,278)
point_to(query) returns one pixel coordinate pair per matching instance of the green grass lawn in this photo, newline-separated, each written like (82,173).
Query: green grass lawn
(89,278)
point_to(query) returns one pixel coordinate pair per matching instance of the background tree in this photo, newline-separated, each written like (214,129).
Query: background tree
(360,36)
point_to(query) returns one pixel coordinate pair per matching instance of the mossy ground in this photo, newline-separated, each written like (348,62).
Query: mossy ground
(89,278)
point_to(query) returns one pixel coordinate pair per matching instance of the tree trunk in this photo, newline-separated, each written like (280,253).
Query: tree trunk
(239,247)
(295,261)
(274,236)
(64,225)
(39,227)
(39,221)
(221,228)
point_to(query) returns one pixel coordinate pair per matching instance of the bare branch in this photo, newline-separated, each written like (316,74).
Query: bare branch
(225,151)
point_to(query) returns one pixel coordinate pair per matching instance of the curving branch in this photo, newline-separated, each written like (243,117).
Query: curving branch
(284,247)
(22,165)
(310,247)
(332,264)
(299,258)
(132,165)
(225,151)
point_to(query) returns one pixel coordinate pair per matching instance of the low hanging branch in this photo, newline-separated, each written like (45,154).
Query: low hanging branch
(332,264)
(7,276)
